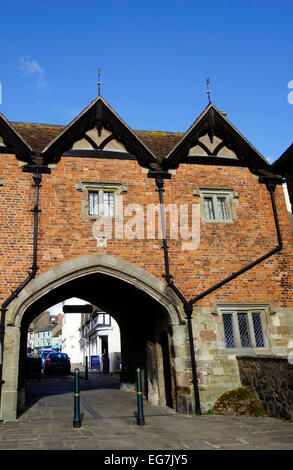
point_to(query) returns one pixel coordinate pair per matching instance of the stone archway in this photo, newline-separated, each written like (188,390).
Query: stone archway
(101,270)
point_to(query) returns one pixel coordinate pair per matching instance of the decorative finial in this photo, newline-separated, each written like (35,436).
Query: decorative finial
(208,91)
(99,82)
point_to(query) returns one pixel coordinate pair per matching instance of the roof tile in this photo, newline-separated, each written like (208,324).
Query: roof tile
(39,135)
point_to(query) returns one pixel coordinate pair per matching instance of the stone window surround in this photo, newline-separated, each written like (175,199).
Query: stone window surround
(96,186)
(248,308)
(231,197)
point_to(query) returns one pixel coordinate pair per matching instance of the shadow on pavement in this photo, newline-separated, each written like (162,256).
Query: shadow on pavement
(59,384)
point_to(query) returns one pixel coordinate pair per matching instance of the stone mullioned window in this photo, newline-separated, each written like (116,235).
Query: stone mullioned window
(101,199)
(244,326)
(217,204)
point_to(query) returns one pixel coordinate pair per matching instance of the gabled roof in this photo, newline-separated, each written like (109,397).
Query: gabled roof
(214,124)
(12,142)
(284,164)
(218,141)
(45,328)
(39,135)
(97,115)
(159,142)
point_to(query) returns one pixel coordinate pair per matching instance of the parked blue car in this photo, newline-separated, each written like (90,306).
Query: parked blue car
(43,355)
(57,362)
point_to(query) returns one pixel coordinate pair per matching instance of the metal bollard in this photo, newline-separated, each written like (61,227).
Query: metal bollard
(140,416)
(86,372)
(76,419)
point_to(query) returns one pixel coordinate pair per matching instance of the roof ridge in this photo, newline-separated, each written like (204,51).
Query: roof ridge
(43,124)
(26,123)
(152,131)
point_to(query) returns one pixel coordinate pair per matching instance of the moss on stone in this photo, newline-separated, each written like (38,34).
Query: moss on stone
(239,402)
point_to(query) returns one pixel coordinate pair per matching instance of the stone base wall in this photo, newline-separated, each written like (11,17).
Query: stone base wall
(272,380)
(217,366)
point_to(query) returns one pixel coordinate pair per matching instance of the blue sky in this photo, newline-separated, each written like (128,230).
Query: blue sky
(155,57)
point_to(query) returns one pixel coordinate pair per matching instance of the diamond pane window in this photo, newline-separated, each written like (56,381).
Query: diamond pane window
(108,204)
(228,330)
(209,208)
(244,330)
(222,208)
(93,203)
(258,331)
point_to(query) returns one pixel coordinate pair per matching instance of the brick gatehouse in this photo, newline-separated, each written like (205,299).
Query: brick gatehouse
(186,307)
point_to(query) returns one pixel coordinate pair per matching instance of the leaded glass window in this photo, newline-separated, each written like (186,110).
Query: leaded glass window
(101,199)
(243,329)
(93,203)
(222,208)
(108,204)
(258,330)
(228,330)
(209,208)
(217,205)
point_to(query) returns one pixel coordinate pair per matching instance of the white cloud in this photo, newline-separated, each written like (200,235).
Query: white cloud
(271,159)
(30,67)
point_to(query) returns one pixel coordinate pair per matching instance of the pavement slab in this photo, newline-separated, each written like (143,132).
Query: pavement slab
(108,422)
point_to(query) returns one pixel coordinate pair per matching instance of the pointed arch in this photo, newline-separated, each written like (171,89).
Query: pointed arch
(93,264)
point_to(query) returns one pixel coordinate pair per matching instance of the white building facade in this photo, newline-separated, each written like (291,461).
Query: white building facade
(93,336)
(100,342)
(71,323)
(288,204)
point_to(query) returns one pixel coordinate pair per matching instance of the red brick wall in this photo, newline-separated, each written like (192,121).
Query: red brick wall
(64,233)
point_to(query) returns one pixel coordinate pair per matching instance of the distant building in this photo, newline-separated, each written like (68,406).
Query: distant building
(57,337)
(100,336)
(43,338)
(289,205)
(71,332)
(38,332)
(284,166)
(40,321)
(56,319)
(93,335)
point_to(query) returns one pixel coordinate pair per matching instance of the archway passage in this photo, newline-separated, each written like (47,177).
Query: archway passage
(146,333)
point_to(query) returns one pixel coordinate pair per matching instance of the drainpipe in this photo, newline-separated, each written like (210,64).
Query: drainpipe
(169,279)
(271,186)
(188,305)
(37,177)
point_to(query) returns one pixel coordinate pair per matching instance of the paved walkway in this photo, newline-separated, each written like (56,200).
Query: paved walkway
(109,423)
